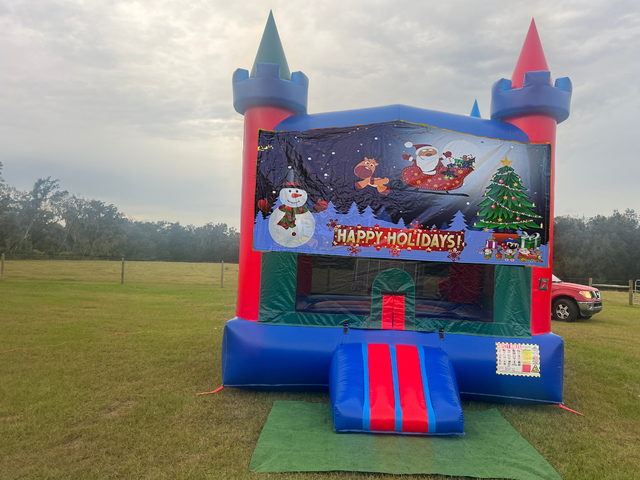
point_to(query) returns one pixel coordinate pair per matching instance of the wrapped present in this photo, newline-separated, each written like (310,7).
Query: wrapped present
(491,243)
(529,241)
(511,244)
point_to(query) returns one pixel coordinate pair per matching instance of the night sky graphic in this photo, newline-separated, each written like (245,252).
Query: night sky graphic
(324,160)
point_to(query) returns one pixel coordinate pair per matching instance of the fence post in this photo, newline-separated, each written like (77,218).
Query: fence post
(122,274)
(2,267)
(222,274)
(591,282)
(630,292)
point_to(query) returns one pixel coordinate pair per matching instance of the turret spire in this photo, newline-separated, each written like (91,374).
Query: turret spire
(475,111)
(531,58)
(271,51)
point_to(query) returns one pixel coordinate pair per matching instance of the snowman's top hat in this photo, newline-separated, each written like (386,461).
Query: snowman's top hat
(291,179)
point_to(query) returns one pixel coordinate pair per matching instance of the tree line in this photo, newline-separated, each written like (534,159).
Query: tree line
(48,221)
(606,249)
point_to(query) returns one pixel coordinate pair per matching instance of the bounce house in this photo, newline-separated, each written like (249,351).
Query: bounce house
(396,256)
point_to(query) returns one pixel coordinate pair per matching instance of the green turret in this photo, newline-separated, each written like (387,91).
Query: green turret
(271,51)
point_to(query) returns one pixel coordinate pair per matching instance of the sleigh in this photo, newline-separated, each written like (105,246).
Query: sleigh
(446,178)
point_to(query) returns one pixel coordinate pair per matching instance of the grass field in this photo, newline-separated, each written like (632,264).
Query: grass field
(99,380)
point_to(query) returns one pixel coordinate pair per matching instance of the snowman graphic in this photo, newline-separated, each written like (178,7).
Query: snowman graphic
(291,224)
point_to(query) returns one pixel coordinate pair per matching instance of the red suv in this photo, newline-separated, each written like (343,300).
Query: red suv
(570,300)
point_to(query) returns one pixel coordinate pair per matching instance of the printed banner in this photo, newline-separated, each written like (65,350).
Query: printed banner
(398,189)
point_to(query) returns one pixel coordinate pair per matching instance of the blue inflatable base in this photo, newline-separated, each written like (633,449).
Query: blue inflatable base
(273,357)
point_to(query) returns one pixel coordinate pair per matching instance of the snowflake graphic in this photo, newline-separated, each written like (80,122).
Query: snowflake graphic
(354,251)
(333,223)
(395,251)
(454,255)
(415,225)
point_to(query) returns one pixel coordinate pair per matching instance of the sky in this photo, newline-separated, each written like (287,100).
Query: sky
(130,102)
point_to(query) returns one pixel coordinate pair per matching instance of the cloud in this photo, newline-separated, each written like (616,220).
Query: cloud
(131,102)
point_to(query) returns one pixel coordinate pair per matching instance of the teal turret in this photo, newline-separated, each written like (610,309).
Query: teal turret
(270,82)
(266,97)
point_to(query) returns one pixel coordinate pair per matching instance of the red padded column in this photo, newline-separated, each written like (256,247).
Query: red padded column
(256,118)
(541,129)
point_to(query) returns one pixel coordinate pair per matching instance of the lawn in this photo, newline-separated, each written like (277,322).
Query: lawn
(99,380)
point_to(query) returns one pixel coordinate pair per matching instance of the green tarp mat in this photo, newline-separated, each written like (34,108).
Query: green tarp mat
(299,437)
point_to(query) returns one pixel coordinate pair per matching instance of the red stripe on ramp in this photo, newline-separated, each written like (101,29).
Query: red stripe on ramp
(381,401)
(412,401)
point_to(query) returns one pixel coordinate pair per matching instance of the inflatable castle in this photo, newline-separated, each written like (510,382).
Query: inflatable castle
(398,257)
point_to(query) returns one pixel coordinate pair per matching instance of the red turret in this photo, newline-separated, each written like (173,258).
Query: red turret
(541,128)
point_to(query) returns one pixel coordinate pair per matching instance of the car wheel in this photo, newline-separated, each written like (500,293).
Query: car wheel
(564,310)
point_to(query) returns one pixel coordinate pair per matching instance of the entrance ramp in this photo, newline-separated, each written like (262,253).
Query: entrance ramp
(389,388)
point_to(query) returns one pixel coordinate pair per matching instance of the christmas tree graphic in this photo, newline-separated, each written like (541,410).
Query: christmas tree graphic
(506,207)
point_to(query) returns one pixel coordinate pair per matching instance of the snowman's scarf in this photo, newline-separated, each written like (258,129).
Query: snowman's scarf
(289,219)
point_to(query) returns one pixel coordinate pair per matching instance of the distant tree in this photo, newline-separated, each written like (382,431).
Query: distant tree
(34,221)
(98,229)
(602,248)
(6,217)
(217,242)
(48,220)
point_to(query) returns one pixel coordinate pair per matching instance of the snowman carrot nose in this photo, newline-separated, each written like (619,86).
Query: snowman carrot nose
(296,195)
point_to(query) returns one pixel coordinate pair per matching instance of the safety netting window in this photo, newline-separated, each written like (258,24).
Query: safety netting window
(343,286)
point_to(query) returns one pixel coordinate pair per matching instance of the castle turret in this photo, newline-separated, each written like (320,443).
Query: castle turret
(530,102)
(265,97)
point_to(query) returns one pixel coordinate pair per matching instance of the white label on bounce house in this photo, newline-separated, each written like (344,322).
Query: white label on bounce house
(522,359)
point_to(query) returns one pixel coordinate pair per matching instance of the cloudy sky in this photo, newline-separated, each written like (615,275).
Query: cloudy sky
(130,102)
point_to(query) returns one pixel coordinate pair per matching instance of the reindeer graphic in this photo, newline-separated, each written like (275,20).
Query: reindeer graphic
(365,171)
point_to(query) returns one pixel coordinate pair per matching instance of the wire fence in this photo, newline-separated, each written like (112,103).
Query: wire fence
(144,270)
(117,270)
(597,281)
(75,256)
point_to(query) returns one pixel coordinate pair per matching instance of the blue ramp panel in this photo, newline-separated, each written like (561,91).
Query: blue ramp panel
(404,389)
(274,357)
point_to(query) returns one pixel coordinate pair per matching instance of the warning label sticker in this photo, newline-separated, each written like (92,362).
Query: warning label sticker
(522,359)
